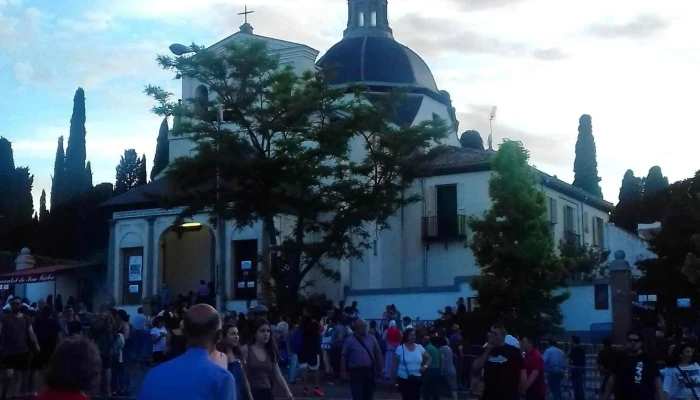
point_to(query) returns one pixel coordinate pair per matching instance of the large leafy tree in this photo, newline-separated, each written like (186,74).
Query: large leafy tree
(585,165)
(75,179)
(284,150)
(514,247)
(128,172)
(472,139)
(160,161)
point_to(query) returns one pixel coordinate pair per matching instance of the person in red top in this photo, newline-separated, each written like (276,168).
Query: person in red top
(534,367)
(392,338)
(73,370)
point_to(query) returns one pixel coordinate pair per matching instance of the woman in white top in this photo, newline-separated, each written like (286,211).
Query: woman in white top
(158,335)
(682,377)
(410,361)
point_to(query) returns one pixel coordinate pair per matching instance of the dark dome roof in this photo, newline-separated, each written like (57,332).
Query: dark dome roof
(377,61)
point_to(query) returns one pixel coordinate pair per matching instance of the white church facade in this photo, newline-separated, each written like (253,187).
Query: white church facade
(422,254)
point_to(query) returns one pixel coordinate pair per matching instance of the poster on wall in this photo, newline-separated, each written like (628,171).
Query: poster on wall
(246,265)
(133,288)
(135,268)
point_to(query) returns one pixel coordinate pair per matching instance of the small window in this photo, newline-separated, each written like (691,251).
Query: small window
(601,299)
(373,18)
(361,19)
(552,210)
(585,222)
(598,232)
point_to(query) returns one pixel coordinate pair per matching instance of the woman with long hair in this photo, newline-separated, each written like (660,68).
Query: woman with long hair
(410,361)
(682,378)
(230,346)
(260,357)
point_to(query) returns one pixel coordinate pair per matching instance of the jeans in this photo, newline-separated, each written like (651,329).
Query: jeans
(554,383)
(431,384)
(577,379)
(293,367)
(120,377)
(362,383)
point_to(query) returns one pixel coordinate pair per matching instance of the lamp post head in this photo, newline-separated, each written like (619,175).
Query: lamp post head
(180,49)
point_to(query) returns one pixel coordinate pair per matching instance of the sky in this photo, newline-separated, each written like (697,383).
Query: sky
(633,65)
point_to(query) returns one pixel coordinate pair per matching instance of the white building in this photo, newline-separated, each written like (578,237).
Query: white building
(423,254)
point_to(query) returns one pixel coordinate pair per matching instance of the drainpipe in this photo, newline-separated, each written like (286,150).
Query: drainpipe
(425,247)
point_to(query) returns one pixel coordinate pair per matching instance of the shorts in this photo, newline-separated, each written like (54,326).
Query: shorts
(17,362)
(310,361)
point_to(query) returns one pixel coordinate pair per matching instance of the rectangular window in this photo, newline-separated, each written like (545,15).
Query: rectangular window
(447,219)
(585,222)
(601,298)
(598,232)
(245,269)
(132,275)
(373,19)
(361,20)
(552,210)
(568,219)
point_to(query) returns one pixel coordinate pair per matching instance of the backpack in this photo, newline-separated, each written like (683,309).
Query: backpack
(295,344)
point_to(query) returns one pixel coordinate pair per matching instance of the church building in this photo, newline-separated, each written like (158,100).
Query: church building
(420,264)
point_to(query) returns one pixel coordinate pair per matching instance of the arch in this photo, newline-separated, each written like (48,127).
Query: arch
(131,240)
(201,94)
(186,255)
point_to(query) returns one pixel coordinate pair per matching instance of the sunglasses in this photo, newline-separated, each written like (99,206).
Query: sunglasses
(634,340)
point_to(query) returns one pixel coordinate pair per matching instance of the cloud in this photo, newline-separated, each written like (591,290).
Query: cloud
(435,37)
(90,21)
(551,149)
(643,26)
(483,5)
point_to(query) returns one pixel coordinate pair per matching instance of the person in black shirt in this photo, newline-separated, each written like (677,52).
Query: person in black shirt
(577,356)
(634,375)
(504,368)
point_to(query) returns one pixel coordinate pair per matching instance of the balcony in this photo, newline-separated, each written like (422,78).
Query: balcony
(572,238)
(445,229)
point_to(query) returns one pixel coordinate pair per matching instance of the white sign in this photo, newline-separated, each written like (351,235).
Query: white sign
(643,298)
(251,284)
(153,212)
(246,265)
(135,268)
(241,285)
(133,288)
(652,298)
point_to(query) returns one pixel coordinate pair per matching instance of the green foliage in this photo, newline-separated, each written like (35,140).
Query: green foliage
(43,211)
(75,180)
(673,273)
(285,151)
(655,181)
(160,161)
(143,177)
(585,165)
(88,176)
(128,172)
(16,205)
(471,140)
(627,211)
(7,172)
(583,262)
(22,194)
(514,247)
(58,179)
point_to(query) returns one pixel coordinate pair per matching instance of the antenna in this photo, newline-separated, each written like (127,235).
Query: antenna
(491,118)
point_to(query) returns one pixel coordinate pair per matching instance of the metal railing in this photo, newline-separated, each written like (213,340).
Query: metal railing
(445,228)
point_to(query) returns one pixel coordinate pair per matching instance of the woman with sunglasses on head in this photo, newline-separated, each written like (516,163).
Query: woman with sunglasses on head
(230,347)
(260,361)
(682,378)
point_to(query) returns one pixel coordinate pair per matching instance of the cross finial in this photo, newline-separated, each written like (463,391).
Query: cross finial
(245,13)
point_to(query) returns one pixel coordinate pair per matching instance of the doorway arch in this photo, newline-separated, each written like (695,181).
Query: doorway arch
(186,256)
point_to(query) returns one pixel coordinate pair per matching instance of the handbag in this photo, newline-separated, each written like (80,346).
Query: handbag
(688,384)
(411,378)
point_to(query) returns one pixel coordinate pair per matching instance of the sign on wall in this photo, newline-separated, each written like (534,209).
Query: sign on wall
(135,268)
(17,280)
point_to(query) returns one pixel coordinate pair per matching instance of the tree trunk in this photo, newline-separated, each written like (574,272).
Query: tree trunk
(269,240)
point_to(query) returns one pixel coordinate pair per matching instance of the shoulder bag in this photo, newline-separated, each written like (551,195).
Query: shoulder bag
(371,358)
(688,384)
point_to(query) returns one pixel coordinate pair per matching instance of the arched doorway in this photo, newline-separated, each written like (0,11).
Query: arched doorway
(186,256)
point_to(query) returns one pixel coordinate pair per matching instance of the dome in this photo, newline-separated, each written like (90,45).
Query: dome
(377,61)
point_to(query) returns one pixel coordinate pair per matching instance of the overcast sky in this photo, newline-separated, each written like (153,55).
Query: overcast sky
(632,65)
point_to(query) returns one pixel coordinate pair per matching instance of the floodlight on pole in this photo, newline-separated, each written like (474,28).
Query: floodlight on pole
(180,49)
(491,118)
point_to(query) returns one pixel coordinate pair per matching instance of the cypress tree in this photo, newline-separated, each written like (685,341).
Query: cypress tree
(160,161)
(43,212)
(128,172)
(58,179)
(631,189)
(23,201)
(75,153)
(627,211)
(471,139)
(88,176)
(585,166)
(143,176)
(7,172)
(655,181)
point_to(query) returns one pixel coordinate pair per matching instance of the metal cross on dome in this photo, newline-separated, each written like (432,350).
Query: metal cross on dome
(245,13)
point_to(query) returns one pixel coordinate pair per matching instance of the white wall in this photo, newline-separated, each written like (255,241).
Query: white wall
(636,249)
(579,310)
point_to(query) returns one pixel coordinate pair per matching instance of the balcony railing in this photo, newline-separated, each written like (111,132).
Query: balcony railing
(572,238)
(445,228)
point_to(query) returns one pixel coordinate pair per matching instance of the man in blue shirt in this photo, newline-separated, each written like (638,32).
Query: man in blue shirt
(192,376)
(554,364)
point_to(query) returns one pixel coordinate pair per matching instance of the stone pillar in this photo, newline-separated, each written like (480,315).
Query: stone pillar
(24,260)
(111,281)
(620,287)
(149,272)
